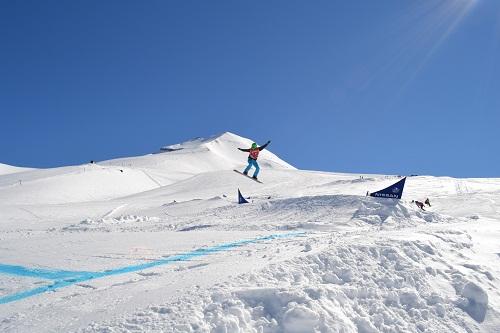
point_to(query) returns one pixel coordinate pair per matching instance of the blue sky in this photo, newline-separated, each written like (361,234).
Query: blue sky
(391,86)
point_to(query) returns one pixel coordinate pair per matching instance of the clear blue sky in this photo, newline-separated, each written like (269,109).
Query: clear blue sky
(390,86)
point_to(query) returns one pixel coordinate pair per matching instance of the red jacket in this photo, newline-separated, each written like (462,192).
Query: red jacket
(254,153)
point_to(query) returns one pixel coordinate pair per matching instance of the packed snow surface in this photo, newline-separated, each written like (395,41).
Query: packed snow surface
(158,243)
(6,169)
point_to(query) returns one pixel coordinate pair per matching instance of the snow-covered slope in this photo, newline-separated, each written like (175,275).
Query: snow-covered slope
(6,169)
(181,161)
(122,177)
(164,247)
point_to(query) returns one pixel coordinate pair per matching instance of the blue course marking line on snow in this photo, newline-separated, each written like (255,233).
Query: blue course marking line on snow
(38,273)
(61,280)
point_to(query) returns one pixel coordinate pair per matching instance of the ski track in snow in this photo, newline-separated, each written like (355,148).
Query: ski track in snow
(157,243)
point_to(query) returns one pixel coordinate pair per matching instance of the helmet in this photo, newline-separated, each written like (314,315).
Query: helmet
(254,145)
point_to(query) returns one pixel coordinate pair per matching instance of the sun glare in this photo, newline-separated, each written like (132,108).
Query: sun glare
(413,39)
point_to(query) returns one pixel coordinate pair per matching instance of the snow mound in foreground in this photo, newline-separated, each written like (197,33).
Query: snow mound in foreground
(378,286)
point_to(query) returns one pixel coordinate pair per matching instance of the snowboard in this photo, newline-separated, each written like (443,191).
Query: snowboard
(241,173)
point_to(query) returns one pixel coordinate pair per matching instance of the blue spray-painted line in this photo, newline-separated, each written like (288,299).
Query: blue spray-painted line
(86,276)
(39,273)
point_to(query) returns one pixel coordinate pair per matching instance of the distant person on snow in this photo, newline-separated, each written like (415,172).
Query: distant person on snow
(252,158)
(419,204)
(428,202)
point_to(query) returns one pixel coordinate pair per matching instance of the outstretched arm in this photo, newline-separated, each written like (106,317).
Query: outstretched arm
(245,150)
(264,146)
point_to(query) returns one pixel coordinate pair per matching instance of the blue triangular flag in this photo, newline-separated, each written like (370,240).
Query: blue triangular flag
(241,200)
(394,191)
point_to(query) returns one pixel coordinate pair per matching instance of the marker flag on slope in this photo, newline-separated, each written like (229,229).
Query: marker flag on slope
(394,191)
(241,200)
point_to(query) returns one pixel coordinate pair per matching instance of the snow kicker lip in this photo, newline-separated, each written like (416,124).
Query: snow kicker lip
(64,278)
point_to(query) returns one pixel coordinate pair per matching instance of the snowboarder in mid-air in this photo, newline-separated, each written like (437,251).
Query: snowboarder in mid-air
(252,158)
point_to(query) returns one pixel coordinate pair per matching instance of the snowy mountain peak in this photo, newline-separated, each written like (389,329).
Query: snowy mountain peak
(131,175)
(227,138)
(222,151)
